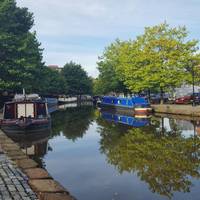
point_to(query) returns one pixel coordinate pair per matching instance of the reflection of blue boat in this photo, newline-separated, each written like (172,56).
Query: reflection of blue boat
(123,119)
(137,105)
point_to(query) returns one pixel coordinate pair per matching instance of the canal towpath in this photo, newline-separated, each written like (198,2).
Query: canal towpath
(22,179)
(174,109)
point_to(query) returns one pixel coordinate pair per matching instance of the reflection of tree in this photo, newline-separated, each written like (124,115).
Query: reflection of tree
(73,122)
(111,132)
(164,162)
(174,128)
(34,144)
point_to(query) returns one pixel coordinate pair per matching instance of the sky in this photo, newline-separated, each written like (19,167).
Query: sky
(79,30)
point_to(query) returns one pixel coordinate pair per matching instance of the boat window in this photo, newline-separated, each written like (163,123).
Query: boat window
(25,110)
(41,110)
(9,112)
(29,110)
(119,101)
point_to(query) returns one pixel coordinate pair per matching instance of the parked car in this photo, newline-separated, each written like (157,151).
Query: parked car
(187,99)
(156,98)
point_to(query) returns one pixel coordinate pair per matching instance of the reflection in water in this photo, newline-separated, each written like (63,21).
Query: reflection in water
(74,105)
(34,144)
(162,153)
(163,158)
(124,119)
(72,122)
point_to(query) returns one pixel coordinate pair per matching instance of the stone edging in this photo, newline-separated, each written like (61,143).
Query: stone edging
(175,109)
(39,179)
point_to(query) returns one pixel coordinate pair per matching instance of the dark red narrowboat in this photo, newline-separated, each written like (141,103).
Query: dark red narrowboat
(25,115)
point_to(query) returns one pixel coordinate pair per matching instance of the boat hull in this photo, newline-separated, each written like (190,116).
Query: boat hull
(27,128)
(127,110)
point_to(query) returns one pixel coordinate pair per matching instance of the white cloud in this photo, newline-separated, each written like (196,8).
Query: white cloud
(87,60)
(64,26)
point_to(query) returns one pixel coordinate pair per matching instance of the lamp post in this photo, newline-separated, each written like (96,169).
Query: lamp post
(193,98)
(193,62)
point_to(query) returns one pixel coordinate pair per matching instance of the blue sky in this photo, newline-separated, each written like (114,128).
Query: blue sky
(79,30)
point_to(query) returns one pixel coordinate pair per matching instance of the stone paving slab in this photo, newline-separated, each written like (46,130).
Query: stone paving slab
(26,163)
(46,185)
(55,196)
(16,157)
(37,173)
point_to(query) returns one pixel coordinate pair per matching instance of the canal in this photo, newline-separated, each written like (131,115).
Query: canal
(96,156)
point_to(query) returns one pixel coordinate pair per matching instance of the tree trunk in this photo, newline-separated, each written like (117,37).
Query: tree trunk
(161,96)
(79,100)
(149,95)
(162,127)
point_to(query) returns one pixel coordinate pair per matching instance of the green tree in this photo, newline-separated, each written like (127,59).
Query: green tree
(77,79)
(53,82)
(161,58)
(20,52)
(108,80)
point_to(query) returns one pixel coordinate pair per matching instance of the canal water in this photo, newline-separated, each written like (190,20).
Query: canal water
(106,156)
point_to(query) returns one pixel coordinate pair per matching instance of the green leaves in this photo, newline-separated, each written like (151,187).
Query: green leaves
(77,79)
(160,58)
(20,53)
(108,80)
(14,20)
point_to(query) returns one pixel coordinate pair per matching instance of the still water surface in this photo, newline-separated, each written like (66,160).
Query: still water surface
(97,158)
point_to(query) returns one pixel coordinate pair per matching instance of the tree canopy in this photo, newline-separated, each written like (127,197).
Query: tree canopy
(161,58)
(20,52)
(53,82)
(77,79)
(108,80)
(21,64)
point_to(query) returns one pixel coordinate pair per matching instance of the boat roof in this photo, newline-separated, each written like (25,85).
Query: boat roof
(113,97)
(136,100)
(21,97)
(26,101)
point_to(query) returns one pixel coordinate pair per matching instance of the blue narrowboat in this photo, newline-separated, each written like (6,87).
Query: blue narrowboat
(127,120)
(137,105)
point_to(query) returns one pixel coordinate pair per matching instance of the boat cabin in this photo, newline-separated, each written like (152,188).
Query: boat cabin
(25,109)
(125,102)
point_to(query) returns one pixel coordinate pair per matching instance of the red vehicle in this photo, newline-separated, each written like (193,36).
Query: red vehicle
(188,99)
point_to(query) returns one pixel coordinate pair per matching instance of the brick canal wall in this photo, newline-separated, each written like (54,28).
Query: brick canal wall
(174,109)
(35,182)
